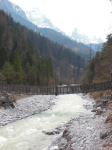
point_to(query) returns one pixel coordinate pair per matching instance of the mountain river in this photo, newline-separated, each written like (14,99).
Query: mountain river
(27,134)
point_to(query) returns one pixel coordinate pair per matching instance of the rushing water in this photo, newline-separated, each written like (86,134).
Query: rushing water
(27,134)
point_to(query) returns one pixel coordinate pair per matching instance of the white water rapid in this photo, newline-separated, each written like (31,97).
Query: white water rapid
(27,134)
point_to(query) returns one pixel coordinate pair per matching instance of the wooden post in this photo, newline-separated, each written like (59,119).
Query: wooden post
(47,90)
(2,87)
(56,88)
(111,75)
(63,90)
(67,90)
(42,90)
(36,90)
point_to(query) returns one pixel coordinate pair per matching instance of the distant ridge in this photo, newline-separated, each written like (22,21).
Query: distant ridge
(49,33)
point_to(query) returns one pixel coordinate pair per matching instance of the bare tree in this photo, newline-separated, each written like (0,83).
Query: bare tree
(90,55)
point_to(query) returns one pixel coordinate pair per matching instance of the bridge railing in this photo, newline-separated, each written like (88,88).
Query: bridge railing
(58,90)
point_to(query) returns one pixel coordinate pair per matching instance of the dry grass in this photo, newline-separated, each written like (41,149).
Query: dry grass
(100,94)
(19,96)
(110,102)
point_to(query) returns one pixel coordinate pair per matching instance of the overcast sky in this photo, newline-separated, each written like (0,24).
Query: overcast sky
(93,17)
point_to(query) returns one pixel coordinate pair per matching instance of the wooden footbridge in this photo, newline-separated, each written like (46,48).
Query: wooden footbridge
(56,90)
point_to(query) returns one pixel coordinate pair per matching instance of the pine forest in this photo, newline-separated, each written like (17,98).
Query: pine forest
(28,58)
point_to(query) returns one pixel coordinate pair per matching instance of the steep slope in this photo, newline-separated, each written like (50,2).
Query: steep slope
(68,66)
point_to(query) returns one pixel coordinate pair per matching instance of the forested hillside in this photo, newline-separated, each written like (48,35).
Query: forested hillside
(28,58)
(19,15)
(101,65)
(78,47)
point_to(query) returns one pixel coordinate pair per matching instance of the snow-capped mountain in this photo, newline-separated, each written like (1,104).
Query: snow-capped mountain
(35,16)
(8,6)
(82,38)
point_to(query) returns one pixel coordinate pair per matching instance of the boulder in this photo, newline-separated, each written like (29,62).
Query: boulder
(6,105)
(57,132)
(98,105)
(0,103)
(105,101)
(104,134)
(108,97)
(51,132)
(94,110)
(109,119)
(61,148)
(54,148)
(67,146)
(98,108)
(12,105)
(4,98)
(6,101)
(99,112)
(65,133)
(11,98)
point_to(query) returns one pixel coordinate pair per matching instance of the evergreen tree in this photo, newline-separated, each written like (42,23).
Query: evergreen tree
(31,76)
(3,56)
(27,67)
(9,73)
(2,78)
(31,48)
(38,77)
(15,46)
(29,58)
(51,67)
(17,65)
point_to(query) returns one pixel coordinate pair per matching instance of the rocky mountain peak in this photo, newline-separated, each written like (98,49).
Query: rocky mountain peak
(8,6)
(35,16)
(83,38)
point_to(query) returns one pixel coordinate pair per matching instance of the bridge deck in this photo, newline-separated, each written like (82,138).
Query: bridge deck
(56,90)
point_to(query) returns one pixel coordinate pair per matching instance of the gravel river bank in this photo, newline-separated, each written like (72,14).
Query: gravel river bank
(26,107)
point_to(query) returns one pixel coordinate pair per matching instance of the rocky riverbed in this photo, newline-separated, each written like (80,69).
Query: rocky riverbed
(92,132)
(26,107)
